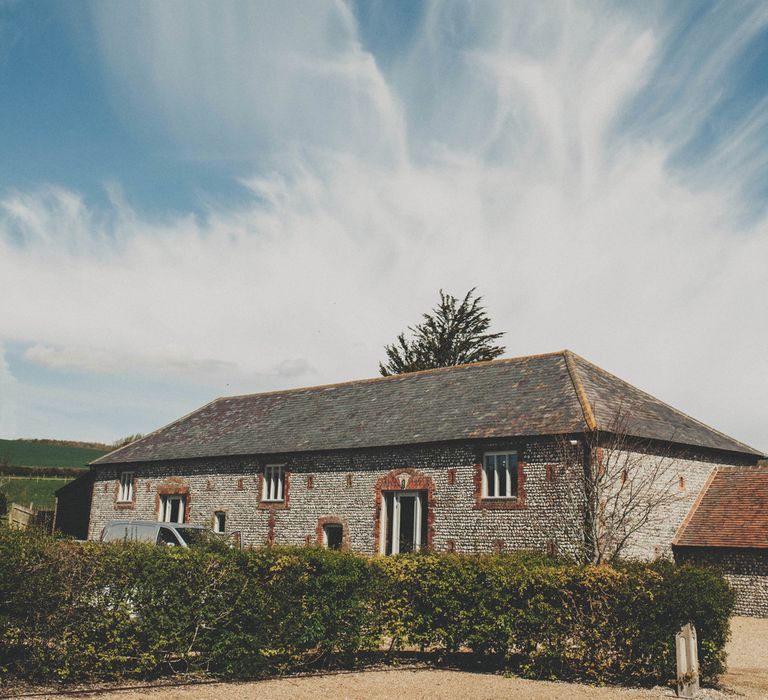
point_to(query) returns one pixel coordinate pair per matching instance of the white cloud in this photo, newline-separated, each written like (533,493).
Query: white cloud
(515,179)
(227,79)
(8,388)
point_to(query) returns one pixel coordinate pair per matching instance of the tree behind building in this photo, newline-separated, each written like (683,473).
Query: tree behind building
(453,334)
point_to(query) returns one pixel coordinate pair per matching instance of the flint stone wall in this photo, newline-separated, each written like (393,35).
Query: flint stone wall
(341,486)
(745,569)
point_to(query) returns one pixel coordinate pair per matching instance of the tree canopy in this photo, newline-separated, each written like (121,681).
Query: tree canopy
(453,334)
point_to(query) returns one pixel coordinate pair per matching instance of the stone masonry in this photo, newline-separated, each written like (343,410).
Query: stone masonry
(341,486)
(745,569)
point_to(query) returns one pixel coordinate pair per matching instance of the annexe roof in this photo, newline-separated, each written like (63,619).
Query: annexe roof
(731,512)
(551,394)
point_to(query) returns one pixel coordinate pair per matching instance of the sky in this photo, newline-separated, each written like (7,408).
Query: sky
(200,199)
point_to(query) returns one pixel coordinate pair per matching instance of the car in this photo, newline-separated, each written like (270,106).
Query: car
(169,534)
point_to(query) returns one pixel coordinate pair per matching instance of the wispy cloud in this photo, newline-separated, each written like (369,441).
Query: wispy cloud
(497,151)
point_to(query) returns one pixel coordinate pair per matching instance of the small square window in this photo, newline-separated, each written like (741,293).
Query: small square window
(500,475)
(125,494)
(273,488)
(333,535)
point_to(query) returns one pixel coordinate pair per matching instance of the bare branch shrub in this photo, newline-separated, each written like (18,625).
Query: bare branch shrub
(606,487)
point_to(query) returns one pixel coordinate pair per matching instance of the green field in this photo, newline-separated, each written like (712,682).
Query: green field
(26,490)
(48,453)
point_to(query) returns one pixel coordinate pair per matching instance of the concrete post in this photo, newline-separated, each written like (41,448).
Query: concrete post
(687,662)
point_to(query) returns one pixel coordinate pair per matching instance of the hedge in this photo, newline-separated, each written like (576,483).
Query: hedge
(72,611)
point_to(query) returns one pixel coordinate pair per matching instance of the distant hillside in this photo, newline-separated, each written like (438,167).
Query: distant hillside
(49,453)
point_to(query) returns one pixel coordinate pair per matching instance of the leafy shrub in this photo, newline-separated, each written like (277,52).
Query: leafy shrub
(85,611)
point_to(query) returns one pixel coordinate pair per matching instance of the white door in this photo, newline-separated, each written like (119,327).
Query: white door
(404,519)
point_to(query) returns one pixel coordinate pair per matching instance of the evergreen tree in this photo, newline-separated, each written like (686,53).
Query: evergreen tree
(453,334)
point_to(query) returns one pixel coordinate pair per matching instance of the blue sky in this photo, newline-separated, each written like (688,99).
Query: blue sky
(199,198)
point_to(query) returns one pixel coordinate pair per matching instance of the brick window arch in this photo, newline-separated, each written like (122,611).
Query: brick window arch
(405,480)
(332,521)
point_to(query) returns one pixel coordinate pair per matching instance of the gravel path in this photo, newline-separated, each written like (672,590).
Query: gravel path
(747,678)
(748,657)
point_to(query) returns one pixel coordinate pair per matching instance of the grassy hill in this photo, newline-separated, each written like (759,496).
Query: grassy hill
(26,489)
(49,453)
(32,470)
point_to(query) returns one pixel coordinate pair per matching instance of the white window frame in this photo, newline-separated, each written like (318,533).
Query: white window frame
(164,516)
(418,535)
(273,483)
(125,493)
(219,522)
(509,480)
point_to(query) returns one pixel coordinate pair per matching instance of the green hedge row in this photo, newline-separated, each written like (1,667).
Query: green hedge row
(71,611)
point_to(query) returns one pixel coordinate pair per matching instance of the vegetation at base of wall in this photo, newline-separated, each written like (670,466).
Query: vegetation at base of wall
(49,453)
(73,611)
(26,490)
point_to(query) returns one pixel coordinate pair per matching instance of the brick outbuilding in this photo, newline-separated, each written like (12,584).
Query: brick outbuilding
(728,528)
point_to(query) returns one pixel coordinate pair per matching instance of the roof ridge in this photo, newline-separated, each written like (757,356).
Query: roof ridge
(581,394)
(670,406)
(369,380)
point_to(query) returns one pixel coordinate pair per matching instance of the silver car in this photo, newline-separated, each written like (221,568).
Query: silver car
(169,534)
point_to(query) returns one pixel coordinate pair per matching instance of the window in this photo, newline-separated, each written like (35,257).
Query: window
(172,509)
(404,518)
(219,521)
(165,536)
(500,475)
(273,488)
(125,494)
(333,535)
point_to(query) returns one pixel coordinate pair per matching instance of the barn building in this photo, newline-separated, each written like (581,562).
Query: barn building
(454,459)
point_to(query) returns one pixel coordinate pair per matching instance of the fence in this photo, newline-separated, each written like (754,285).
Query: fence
(23,517)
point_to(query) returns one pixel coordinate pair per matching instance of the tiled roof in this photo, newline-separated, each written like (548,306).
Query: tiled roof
(732,511)
(548,394)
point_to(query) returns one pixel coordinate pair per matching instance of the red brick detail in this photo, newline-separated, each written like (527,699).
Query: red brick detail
(208,486)
(333,520)
(275,505)
(349,481)
(310,483)
(271,521)
(551,548)
(681,482)
(551,472)
(125,505)
(308,540)
(498,546)
(405,480)
(173,486)
(514,503)
(451,477)
(451,545)
(240,485)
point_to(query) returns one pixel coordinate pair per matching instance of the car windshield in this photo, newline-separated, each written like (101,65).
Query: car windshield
(193,535)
